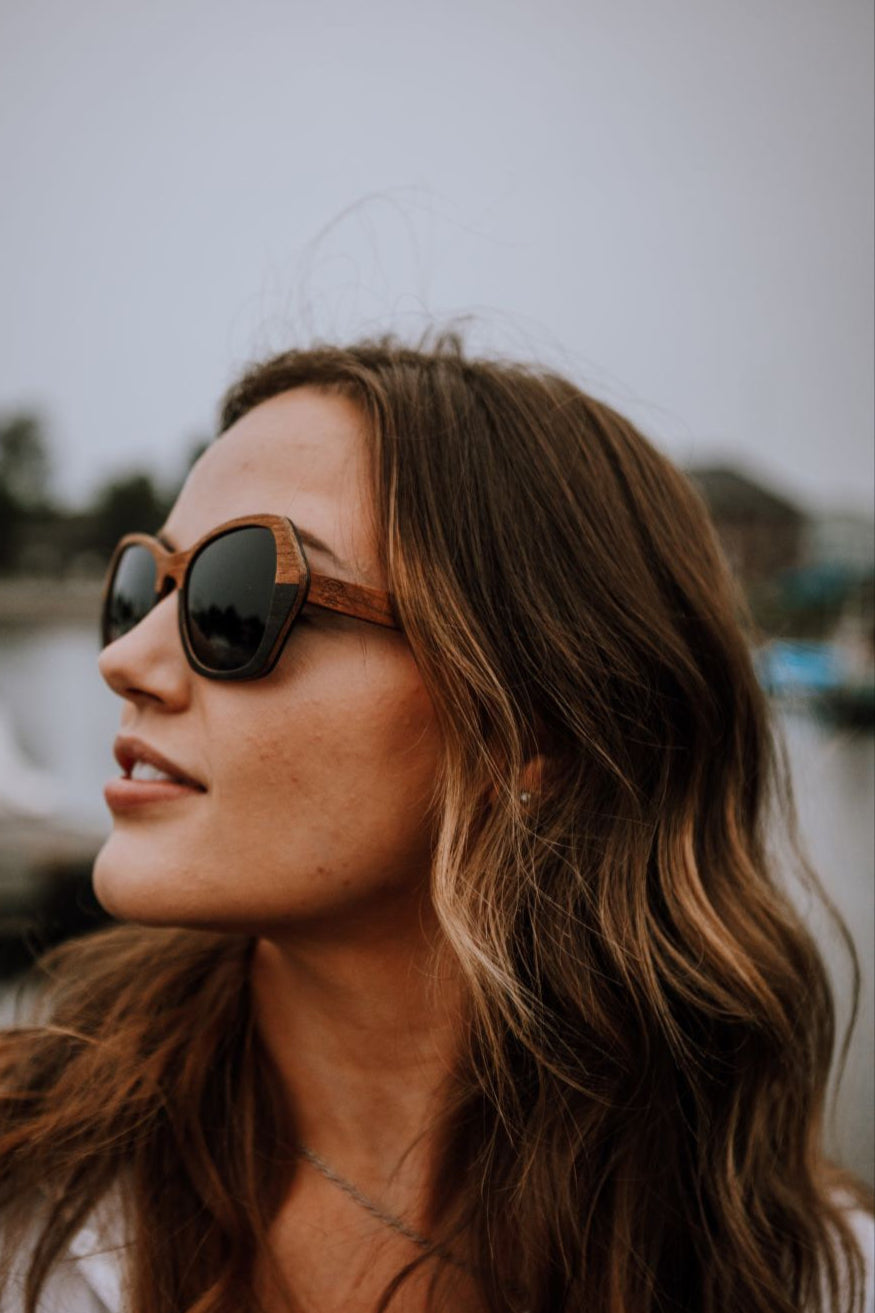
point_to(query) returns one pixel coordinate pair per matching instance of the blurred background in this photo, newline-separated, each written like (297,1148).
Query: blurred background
(672,202)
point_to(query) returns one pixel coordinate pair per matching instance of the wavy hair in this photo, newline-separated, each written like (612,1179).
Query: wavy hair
(636,1126)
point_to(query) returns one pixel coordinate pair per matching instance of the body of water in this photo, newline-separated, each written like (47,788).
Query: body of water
(65,720)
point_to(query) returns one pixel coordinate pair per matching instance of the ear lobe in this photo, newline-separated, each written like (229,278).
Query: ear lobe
(528,784)
(532,777)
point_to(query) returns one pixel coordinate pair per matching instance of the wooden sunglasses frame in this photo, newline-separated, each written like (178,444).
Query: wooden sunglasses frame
(294,585)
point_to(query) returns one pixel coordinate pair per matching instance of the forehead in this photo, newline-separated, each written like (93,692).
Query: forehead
(303,454)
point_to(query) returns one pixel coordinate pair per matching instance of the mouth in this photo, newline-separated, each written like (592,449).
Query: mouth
(147,777)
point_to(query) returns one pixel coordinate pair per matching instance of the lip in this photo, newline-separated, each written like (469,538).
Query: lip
(122,794)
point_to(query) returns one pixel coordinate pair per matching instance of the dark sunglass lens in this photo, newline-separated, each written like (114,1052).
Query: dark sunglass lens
(131,594)
(230,588)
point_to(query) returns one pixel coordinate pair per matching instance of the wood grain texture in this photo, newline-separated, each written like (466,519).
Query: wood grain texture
(357,600)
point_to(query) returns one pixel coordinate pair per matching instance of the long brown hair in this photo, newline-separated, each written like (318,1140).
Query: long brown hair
(637,1125)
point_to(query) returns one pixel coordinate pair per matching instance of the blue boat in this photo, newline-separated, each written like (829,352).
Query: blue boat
(800,669)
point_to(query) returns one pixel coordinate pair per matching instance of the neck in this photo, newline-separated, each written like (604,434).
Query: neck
(363,1027)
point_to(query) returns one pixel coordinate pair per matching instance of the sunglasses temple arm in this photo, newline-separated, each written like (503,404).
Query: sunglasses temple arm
(356,600)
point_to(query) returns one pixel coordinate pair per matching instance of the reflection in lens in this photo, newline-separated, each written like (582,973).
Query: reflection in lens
(132,594)
(230,588)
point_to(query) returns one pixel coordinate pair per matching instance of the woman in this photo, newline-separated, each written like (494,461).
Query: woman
(457,976)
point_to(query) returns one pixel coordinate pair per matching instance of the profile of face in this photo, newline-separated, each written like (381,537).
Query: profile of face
(316,780)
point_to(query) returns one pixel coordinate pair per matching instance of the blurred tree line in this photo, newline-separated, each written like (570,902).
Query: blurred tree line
(40,536)
(761,533)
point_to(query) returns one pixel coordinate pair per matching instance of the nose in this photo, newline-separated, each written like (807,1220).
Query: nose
(147,664)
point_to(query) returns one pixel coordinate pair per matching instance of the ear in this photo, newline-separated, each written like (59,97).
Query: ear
(530,781)
(533,776)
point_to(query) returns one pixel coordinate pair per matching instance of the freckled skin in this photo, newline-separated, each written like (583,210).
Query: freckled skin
(318,776)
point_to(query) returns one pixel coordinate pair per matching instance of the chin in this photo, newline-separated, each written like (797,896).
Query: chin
(135,881)
(136,885)
(126,899)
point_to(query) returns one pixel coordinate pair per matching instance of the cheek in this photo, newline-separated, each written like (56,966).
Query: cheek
(335,785)
(367,723)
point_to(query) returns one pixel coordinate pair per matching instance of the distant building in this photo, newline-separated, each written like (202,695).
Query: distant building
(763,533)
(845,539)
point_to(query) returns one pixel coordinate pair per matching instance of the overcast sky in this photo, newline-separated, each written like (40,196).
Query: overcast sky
(671,200)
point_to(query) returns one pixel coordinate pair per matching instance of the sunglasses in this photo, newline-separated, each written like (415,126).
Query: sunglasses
(241,588)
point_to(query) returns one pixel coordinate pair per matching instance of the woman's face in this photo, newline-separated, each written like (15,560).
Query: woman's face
(316,780)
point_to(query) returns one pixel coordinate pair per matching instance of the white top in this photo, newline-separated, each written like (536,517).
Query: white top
(91,1279)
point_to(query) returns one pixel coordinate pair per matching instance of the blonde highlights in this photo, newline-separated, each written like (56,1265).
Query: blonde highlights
(636,1127)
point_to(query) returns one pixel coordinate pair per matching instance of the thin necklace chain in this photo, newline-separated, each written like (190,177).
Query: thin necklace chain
(388,1219)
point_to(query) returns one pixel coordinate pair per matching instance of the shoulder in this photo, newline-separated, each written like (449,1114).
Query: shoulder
(91,1276)
(862,1224)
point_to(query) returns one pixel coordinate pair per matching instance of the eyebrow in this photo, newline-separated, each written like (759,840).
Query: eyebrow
(312,540)
(307,537)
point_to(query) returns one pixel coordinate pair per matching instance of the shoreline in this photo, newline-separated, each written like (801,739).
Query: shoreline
(35,602)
